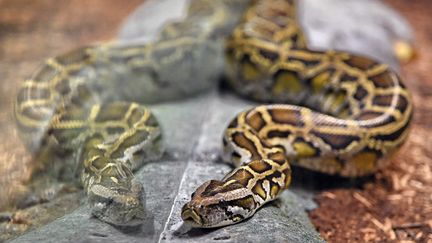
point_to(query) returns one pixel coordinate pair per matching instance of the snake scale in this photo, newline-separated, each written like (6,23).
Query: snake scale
(352,112)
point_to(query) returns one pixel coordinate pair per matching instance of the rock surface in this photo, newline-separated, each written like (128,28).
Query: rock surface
(367,27)
(193,128)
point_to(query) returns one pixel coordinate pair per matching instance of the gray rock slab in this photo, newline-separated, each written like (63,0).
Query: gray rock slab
(367,27)
(193,129)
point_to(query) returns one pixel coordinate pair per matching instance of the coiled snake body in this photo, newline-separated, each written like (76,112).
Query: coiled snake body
(358,113)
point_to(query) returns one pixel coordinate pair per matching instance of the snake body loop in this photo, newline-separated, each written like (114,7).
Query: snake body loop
(354,113)
(82,104)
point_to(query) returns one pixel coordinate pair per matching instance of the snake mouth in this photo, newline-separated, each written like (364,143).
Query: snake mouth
(191,216)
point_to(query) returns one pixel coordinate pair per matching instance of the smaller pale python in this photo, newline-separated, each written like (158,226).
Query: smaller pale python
(80,107)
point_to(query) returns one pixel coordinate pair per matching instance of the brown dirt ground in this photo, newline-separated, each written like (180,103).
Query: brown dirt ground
(395,206)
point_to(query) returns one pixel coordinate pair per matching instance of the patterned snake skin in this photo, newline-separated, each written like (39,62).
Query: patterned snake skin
(81,105)
(354,113)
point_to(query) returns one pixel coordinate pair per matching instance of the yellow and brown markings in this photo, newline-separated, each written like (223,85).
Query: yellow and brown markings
(112,112)
(215,187)
(75,57)
(46,73)
(320,81)
(258,189)
(259,166)
(365,161)
(392,136)
(242,141)
(33,91)
(265,178)
(250,70)
(364,99)
(383,80)
(287,81)
(360,93)
(305,149)
(277,133)
(336,141)
(247,202)
(278,157)
(286,116)
(361,63)
(255,120)
(241,176)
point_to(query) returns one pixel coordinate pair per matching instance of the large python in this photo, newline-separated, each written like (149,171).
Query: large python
(81,106)
(354,114)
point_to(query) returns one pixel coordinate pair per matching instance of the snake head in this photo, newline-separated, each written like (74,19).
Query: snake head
(118,206)
(217,203)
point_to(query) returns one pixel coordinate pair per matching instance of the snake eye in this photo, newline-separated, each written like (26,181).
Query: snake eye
(193,194)
(222,202)
(109,201)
